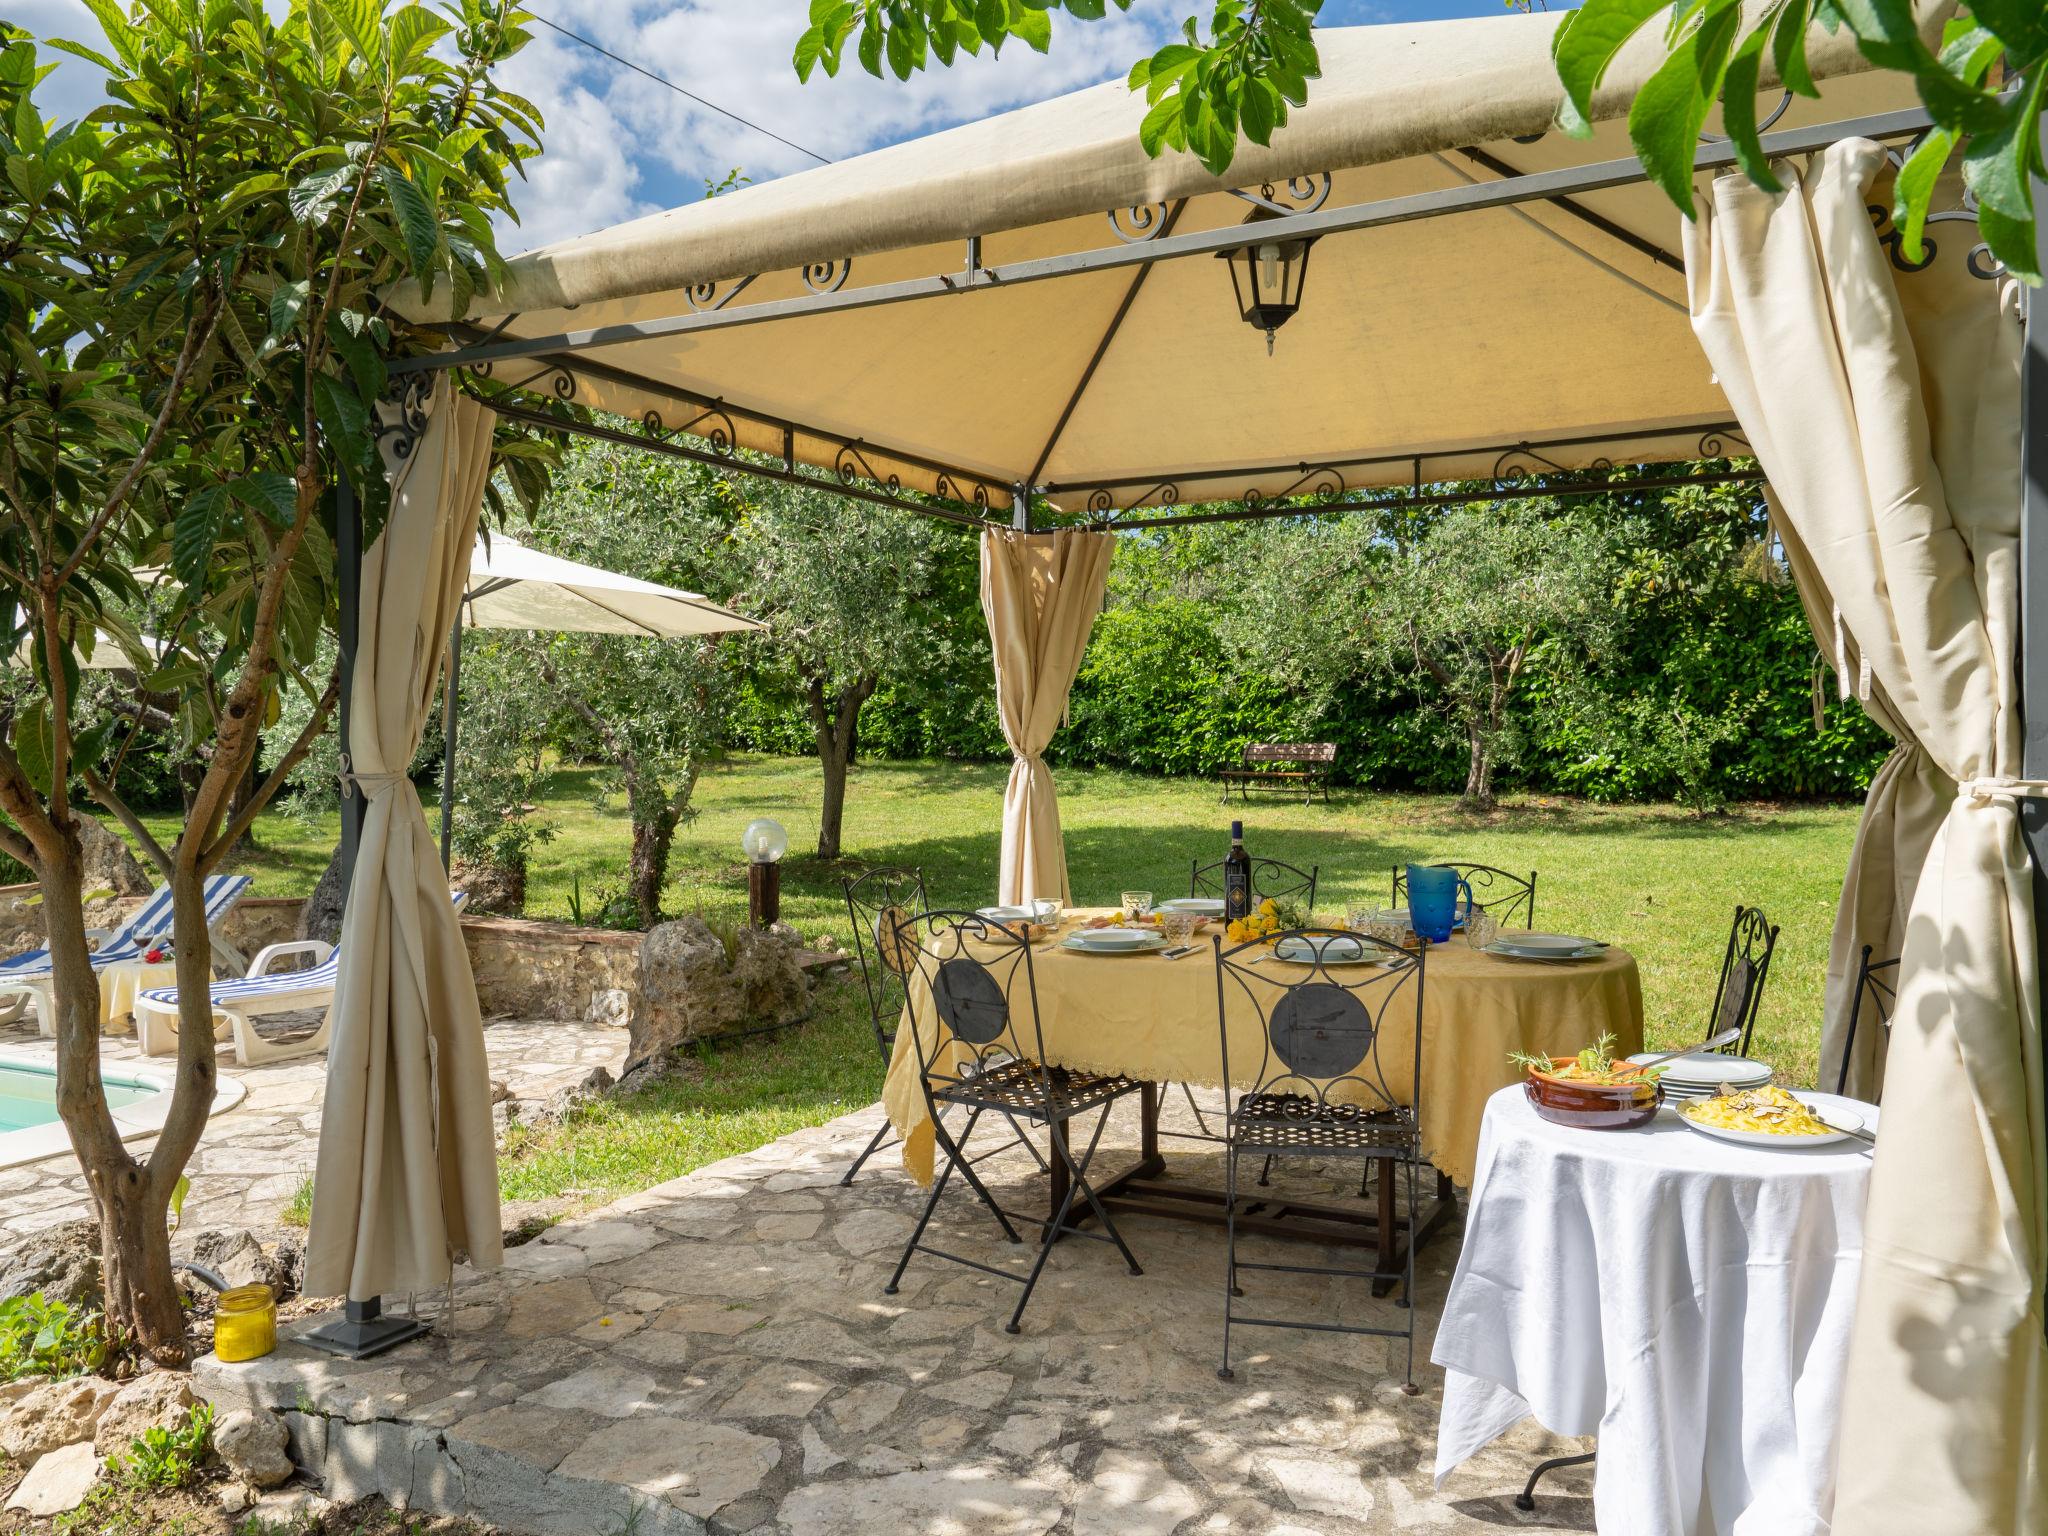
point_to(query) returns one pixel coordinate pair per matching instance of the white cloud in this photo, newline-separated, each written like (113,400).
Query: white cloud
(737,53)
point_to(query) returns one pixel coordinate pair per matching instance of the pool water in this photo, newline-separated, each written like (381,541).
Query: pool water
(28,1095)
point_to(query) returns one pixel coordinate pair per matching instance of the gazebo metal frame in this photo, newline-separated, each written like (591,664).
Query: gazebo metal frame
(704,428)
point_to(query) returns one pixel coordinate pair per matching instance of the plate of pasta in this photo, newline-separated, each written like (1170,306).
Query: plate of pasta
(1770,1116)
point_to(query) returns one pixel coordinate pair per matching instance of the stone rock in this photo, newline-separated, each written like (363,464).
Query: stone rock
(109,864)
(1134,1496)
(157,1400)
(595,1084)
(55,1414)
(1320,1485)
(235,1498)
(252,1445)
(320,918)
(609,1005)
(288,1263)
(62,1262)
(58,1482)
(959,1500)
(981,1391)
(238,1258)
(493,888)
(689,989)
(699,1468)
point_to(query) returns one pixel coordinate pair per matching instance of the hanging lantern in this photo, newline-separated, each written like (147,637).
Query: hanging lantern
(1267,276)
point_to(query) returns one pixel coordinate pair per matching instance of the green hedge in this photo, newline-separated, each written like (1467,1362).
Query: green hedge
(1157,693)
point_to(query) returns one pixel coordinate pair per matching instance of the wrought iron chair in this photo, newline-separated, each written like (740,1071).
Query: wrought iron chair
(1495,891)
(869,899)
(983,1056)
(1320,1089)
(1877,985)
(1270,879)
(1744,967)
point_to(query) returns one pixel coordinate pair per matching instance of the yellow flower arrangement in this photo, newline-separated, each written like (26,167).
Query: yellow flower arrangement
(1262,922)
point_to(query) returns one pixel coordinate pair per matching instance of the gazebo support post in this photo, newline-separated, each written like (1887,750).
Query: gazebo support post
(362,1330)
(1020,507)
(450,706)
(2033,658)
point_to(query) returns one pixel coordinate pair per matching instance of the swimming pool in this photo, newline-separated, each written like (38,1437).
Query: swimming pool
(30,1129)
(28,1094)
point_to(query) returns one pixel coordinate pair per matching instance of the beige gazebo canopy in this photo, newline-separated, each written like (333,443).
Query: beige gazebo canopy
(988,306)
(1028,312)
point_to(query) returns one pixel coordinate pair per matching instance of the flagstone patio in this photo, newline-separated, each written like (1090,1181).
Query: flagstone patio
(252,1158)
(718,1354)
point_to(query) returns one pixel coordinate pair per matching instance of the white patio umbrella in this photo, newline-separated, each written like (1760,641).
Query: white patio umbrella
(514,587)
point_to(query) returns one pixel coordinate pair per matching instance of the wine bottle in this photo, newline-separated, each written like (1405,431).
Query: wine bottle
(1237,876)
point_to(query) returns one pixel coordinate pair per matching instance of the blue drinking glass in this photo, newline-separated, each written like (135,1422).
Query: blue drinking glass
(1433,904)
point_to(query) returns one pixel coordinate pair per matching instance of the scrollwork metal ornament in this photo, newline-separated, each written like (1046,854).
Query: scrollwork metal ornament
(1138,223)
(703,298)
(827,276)
(1714,444)
(1979,262)
(402,415)
(1304,194)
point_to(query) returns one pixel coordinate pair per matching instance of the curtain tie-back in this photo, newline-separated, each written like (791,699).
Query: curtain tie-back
(2004,789)
(371,784)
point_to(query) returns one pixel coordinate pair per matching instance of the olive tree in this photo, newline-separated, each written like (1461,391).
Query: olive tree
(1236,77)
(188,360)
(1456,600)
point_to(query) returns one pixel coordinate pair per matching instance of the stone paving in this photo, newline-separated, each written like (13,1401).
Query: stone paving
(718,1354)
(252,1158)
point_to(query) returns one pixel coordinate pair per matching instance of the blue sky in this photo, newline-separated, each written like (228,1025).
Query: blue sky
(620,145)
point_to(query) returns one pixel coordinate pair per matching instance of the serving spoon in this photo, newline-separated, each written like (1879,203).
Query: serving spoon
(1713,1042)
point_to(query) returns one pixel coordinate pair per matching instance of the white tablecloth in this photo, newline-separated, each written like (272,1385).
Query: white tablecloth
(1683,1298)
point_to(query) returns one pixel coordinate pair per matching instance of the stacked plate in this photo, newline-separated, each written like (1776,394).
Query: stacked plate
(1544,946)
(1113,941)
(1201,906)
(1004,914)
(1328,949)
(1699,1076)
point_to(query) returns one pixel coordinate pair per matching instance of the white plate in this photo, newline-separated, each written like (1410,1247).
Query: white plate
(1201,906)
(1551,956)
(1113,941)
(1704,1071)
(1334,949)
(1545,945)
(1830,1107)
(1005,914)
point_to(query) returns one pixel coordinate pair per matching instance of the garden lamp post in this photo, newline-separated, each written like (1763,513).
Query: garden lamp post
(1267,276)
(764,842)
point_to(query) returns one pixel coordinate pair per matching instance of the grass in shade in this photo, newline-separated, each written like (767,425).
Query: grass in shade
(1654,879)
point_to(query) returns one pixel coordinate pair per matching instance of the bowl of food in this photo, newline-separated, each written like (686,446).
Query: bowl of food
(1591,1091)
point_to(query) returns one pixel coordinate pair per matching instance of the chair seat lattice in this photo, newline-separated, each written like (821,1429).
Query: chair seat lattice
(1283,1123)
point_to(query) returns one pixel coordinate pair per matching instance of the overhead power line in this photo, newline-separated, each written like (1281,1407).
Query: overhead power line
(709,106)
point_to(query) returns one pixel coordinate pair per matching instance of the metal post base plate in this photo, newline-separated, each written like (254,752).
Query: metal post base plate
(363,1331)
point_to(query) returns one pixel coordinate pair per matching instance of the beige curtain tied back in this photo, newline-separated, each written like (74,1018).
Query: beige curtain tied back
(1040,593)
(407,1177)
(1885,409)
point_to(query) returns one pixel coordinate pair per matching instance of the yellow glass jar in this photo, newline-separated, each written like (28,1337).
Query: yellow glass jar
(245,1323)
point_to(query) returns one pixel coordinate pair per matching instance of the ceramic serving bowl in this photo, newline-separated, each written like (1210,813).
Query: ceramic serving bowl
(1592,1106)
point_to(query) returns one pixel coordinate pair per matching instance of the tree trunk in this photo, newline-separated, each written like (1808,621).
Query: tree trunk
(1478,770)
(135,1249)
(649,869)
(835,724)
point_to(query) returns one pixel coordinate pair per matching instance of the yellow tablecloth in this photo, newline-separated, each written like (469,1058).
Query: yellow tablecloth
(125,980)
(1156,1019)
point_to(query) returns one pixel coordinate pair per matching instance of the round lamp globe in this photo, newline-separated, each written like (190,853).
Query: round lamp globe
(764,841)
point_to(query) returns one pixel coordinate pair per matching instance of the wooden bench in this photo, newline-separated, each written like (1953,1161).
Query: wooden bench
(1283,765)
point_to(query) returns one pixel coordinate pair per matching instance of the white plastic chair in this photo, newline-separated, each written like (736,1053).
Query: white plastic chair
(264,992)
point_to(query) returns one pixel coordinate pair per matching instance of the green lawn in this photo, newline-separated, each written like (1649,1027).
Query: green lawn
(1656,880)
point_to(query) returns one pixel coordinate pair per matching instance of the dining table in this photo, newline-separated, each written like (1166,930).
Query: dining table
(1685,1299)
(1157,1020)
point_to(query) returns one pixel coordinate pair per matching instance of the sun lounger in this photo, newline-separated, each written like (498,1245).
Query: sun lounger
(263,993)
(28,977)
